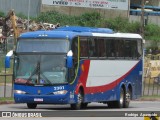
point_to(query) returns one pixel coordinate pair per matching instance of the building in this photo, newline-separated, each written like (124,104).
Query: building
(151,11)
(108,8)
(151,2)
(130,9)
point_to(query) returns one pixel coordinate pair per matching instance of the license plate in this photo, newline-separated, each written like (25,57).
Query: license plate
(38,99)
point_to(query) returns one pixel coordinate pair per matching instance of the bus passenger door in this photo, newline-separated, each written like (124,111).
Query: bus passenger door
(74,69)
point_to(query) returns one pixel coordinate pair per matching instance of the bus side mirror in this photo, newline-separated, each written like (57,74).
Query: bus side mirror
(69,62)
(7,59)
(69,59)
(7,62)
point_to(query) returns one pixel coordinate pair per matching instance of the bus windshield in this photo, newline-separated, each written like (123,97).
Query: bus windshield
(43,45)
(40,69)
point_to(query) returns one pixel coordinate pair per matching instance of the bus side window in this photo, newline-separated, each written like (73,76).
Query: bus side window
(75,49)
(112,48)
(139,48)
(127,49)
(108,47)
(93,51)
(101,48)
(83,47)
(134,49)
(119,47)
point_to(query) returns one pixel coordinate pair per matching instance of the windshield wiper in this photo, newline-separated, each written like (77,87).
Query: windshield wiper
(38,73)
(35,71)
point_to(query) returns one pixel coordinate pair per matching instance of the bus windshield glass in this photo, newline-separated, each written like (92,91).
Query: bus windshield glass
(43,45)
(40,69)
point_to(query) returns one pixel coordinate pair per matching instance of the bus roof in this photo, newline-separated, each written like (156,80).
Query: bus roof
(70,32)
(85,29)
(119,35)
(73,31)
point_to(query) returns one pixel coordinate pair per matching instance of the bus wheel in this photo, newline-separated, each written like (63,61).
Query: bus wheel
(84,105)
(121,101)
(111,104)
(31,105)
(127,98)
(78,105)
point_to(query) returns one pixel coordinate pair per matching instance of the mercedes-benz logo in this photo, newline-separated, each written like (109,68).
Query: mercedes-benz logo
(39,91)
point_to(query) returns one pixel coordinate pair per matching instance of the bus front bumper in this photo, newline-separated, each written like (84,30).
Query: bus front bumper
(42,99)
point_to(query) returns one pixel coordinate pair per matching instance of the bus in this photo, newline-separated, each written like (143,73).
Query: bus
(77,65)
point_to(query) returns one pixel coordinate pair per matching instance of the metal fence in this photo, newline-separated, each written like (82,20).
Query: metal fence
(151,86)
(6,89)
(21,6)
(6,85)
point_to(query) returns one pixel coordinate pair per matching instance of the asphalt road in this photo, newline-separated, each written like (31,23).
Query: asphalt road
(134,106)
(94,111)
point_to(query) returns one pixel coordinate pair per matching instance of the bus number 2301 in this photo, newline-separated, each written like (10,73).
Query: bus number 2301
(59,88)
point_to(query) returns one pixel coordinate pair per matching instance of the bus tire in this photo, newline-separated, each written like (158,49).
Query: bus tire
(120,103)
(127,98)
(111,104)
(84,105)
(78,105)
(31,105)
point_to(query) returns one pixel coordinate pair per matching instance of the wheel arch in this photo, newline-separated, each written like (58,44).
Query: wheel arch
(79,87)
(130,88)
(123,86)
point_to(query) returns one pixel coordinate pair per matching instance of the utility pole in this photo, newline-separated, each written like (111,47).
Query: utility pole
(142,18)
(28,14)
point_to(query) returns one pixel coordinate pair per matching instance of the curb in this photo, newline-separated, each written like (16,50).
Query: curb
(150,99)
(147,99)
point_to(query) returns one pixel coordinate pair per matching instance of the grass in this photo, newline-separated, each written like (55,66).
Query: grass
(8,79)
(150,98)
(8,71)
(6,98)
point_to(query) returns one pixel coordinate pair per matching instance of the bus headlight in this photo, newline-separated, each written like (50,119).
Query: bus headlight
(62,92)
(19,92)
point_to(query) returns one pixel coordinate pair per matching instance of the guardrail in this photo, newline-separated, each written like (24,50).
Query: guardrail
(6,89)
(151,86)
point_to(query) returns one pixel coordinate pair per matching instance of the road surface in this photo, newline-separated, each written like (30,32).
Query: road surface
(96,111)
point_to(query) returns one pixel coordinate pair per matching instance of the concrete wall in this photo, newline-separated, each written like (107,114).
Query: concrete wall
(104,12)
(78,11)
(151,19)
